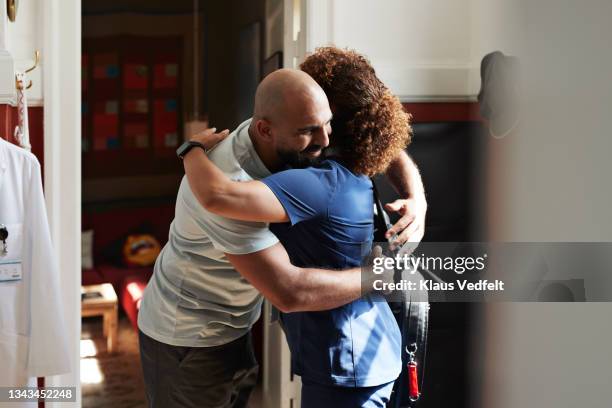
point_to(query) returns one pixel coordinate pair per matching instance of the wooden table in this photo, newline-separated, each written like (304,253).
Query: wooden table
(106,306)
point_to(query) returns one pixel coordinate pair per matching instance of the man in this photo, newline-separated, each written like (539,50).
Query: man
(197,311)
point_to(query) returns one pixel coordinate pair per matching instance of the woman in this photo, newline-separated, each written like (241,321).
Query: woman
(348,356)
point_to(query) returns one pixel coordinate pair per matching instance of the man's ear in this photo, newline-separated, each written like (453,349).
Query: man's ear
(264,129)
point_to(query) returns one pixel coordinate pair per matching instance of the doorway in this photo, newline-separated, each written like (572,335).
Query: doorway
(152,74)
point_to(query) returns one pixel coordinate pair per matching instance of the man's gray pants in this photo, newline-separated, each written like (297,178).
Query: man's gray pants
(203,377)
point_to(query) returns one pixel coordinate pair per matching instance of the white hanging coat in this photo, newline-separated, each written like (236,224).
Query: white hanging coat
(32,333)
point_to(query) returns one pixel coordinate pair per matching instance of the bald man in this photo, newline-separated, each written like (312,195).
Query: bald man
(198,309)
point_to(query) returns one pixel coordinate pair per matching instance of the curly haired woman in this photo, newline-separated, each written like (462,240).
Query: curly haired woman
(323,215)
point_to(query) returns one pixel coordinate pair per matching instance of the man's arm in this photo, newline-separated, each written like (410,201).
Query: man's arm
(247,201)
(404,176)
(294,289)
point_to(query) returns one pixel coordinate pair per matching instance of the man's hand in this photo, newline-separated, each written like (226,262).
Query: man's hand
(209,138)
(404,176)
(411,226)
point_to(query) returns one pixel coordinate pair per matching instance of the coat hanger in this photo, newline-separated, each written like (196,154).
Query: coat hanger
(20,76)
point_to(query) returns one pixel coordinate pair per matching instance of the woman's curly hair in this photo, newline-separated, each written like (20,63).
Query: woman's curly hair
(370,125)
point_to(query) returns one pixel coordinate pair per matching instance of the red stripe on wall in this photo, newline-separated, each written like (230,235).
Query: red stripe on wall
(421,112)
(443,112)
(8,121)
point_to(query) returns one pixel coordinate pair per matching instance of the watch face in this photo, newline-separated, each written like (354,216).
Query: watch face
(182,150)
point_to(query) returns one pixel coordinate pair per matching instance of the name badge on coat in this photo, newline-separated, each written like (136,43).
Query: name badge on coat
(11,237)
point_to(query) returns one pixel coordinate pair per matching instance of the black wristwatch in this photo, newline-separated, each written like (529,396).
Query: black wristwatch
(187,146)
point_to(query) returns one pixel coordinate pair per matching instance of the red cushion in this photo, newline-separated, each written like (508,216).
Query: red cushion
(131,294)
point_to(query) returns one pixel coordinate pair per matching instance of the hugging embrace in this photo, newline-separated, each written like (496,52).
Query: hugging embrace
(282,208)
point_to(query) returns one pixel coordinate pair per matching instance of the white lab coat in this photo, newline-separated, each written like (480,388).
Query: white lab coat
(33,339)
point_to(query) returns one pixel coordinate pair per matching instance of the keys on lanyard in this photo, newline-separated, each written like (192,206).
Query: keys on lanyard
(413,379)
(3,237)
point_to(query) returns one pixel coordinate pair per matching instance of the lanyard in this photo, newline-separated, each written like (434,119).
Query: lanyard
(22,131)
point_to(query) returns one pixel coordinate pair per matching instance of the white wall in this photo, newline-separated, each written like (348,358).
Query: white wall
(550,181)
(558,165)
(24,36)
(421,49)
(497,25)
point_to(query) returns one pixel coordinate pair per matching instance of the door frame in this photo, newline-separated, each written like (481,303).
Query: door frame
(61,64)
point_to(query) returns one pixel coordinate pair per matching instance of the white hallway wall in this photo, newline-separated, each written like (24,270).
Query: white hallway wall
(552,180)
(423,50)
(24,36)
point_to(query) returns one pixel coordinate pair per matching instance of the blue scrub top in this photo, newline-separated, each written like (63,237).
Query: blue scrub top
(331,217)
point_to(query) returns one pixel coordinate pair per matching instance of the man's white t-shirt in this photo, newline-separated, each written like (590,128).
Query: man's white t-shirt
(195,297)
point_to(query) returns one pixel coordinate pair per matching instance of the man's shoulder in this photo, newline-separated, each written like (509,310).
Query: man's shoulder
(223,154)
(230,152)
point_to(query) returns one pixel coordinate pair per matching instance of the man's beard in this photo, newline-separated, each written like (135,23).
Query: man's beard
(298,160)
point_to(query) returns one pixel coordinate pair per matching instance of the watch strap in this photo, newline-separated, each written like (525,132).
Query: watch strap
(187,146)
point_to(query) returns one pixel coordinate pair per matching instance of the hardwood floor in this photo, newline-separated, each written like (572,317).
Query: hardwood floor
(115,380)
